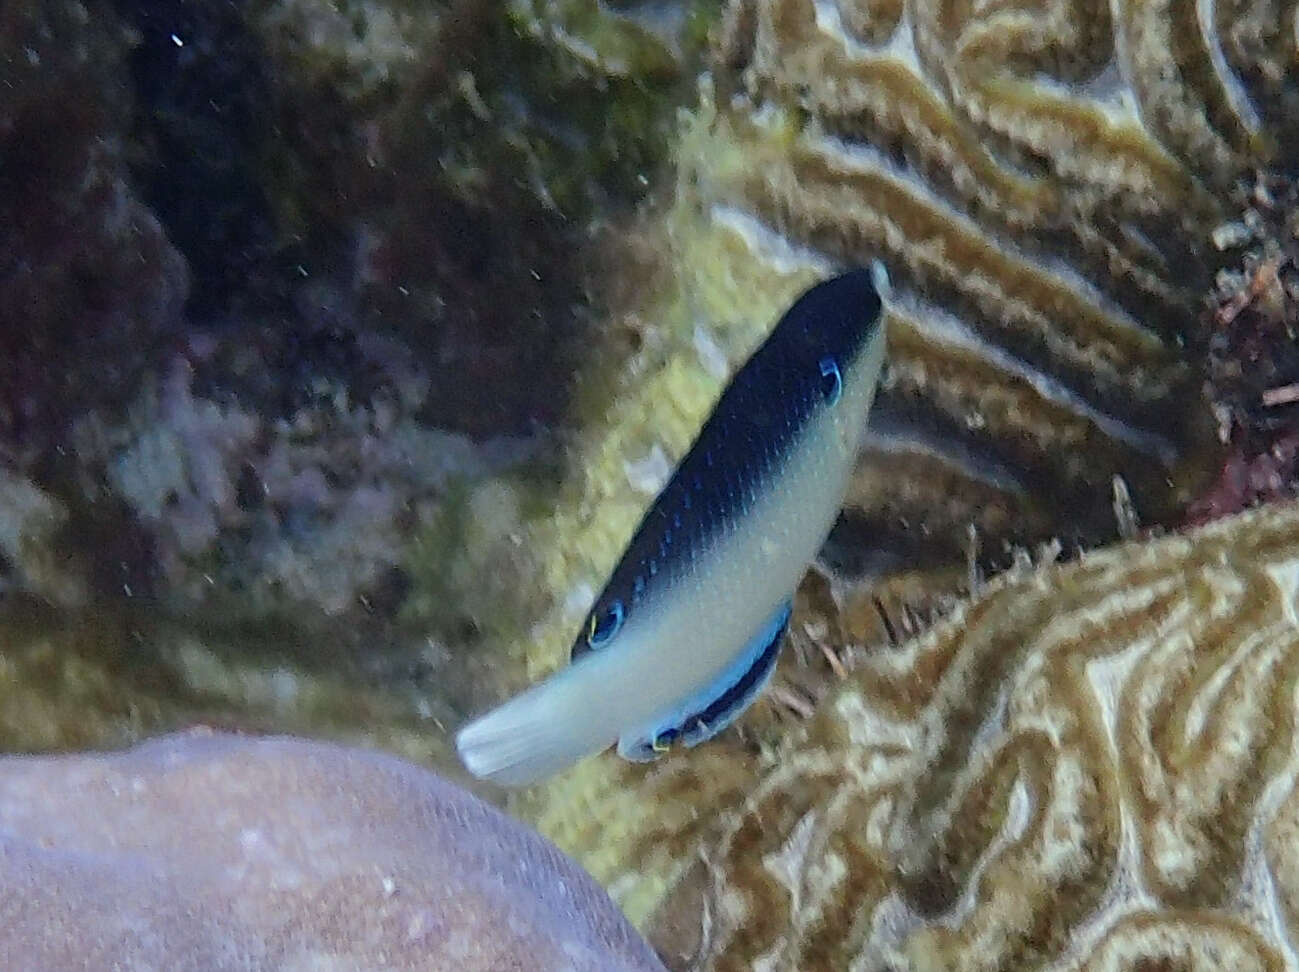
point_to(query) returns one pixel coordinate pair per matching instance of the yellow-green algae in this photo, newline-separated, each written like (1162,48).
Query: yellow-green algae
(107,676)
(597,38)
(563,104)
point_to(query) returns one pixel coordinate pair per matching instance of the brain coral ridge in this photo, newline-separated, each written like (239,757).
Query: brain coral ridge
(1089,766)
(1042,180)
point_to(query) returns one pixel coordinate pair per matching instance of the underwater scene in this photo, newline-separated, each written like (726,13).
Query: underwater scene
(642,484)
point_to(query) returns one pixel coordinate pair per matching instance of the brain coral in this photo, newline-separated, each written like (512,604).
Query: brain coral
(1092,765)
(1042,180)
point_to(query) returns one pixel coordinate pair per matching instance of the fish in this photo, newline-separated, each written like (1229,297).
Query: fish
(689,626)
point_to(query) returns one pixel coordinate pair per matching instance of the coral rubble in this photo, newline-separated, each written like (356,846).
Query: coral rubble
(1249,336)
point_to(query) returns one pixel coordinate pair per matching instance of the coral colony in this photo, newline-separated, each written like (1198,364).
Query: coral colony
(344,346)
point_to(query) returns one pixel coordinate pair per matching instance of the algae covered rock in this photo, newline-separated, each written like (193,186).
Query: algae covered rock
(447,159)
(383,208)
(221,852)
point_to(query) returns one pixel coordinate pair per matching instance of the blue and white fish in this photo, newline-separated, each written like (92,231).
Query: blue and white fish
(687,631)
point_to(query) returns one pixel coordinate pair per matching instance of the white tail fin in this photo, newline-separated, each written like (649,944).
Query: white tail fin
(537,733)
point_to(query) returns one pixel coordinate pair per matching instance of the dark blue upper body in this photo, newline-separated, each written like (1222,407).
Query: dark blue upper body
(745,441)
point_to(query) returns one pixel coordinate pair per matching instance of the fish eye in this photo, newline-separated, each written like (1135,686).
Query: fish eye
(605,625)
(831,380)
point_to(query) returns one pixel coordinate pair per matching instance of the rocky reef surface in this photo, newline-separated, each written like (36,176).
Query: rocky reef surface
(290,298)
(205,851)
(344,344)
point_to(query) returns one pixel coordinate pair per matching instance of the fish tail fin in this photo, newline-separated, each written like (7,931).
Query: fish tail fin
(539,732)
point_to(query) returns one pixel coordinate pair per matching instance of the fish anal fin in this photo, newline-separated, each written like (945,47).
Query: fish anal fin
(723,702)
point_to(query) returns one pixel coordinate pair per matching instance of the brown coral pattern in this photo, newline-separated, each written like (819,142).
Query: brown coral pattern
(1041,179)
(1090,766)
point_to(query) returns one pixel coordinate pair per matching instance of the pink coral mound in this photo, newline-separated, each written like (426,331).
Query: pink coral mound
(204,851)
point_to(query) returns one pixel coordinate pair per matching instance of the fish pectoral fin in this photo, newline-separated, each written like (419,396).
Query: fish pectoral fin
(709,712)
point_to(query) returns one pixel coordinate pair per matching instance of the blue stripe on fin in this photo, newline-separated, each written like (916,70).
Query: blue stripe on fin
(708,713)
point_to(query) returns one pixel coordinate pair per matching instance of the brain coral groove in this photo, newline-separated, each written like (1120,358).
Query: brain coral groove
(1091,765)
